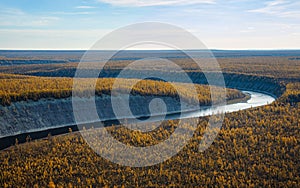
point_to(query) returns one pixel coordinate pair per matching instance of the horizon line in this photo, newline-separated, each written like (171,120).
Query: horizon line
(215,49)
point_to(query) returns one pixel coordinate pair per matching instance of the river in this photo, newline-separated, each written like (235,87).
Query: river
(256,99)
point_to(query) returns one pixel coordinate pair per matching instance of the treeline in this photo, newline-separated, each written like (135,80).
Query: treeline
(292,94)
(257,147)
(15,88)
(282,68)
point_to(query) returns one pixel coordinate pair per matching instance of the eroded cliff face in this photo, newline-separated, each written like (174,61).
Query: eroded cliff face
(258,83)
(21,117)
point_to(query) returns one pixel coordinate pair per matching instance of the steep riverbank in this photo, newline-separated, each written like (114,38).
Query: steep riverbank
(21,117)
(61,112)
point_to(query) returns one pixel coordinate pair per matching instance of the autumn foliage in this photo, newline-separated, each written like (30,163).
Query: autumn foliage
(255,148)
(15,88)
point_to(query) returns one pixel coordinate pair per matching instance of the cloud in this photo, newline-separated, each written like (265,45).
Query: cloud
(17,17)
(144,3)
(49,39)
(74,13)
(11,11)
(85,7)
(248,30)
(280,8)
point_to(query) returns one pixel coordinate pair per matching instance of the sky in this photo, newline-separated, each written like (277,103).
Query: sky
(219,24)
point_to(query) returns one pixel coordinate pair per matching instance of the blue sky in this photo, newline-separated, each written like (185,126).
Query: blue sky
(220,24)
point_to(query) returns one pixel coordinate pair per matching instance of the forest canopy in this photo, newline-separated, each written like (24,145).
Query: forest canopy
(15,88)
(257,147)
